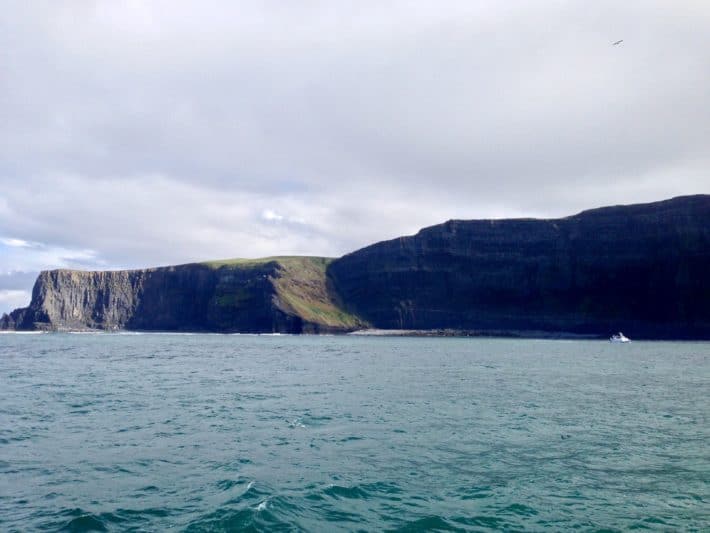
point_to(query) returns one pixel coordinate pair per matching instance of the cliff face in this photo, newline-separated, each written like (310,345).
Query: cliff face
(286,295)
(644,269)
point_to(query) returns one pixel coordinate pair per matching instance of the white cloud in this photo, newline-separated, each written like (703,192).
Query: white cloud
(15,243)
(12,299)
(268,214)
(29,257)
(139,134)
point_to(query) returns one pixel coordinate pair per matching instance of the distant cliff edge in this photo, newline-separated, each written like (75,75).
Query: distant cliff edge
(280,294)
(643,269)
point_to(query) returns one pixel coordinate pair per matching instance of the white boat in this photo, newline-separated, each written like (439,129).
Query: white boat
(619,337)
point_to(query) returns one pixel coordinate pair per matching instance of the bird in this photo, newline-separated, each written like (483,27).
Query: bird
(617,42)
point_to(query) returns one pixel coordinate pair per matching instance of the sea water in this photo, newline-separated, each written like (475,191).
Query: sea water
(152,432)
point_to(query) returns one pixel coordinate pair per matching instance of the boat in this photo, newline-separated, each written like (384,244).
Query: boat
(619,337)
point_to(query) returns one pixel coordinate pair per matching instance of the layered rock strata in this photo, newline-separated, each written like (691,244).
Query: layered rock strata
(643,269)
(287,295)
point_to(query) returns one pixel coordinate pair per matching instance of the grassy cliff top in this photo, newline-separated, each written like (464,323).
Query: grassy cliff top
(303,261)
(302,288)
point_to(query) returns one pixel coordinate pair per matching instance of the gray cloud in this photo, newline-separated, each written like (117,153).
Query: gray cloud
(162,132)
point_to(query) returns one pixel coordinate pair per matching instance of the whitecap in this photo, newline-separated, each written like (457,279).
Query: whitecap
(296,423)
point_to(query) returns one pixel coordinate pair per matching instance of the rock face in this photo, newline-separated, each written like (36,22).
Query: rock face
(643,269)
(286,295)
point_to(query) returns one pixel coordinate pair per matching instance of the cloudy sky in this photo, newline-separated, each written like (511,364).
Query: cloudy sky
(146,133)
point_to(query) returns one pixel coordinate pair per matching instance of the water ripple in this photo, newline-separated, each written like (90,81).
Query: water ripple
(148,432)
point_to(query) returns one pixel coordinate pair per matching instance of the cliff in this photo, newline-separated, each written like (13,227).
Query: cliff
(643,269)
(281,294)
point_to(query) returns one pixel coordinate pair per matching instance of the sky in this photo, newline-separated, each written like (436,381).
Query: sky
(136,134)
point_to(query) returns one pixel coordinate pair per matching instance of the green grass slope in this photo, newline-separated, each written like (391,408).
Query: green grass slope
(301,289)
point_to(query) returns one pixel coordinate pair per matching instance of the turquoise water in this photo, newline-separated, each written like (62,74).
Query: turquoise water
(221,433)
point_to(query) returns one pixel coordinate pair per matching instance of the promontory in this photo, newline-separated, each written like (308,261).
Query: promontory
(643,269)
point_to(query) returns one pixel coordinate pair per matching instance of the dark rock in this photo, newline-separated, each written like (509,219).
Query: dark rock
(287,295)
(643,269)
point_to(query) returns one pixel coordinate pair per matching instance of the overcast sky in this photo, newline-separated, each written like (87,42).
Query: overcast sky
(139,133)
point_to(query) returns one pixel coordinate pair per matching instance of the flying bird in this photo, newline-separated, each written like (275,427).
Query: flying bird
(617,42)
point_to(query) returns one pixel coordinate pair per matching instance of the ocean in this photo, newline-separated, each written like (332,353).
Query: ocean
(156,432)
